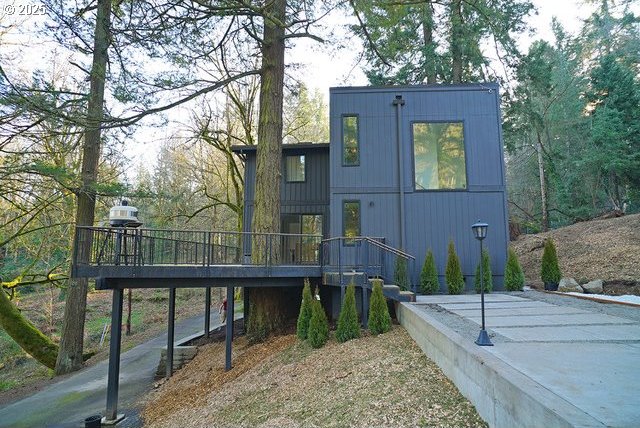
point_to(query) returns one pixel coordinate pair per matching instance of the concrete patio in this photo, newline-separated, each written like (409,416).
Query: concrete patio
(551,364)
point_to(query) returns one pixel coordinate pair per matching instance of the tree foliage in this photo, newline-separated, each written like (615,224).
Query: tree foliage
(487,276)
(453,272)
(550,269)
(318,325)
(513,274)
(348,324)
(379,318)
(302,326)
(429,282)
(400,273)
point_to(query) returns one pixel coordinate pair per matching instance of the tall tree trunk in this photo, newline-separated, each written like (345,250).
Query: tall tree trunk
(429,45)
(543,185)
(456,42)
(72,340)
(266,215)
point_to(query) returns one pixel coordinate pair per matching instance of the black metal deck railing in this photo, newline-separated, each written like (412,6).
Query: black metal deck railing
(110,246)
(368,255)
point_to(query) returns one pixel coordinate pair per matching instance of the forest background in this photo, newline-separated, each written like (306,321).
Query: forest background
(101,101)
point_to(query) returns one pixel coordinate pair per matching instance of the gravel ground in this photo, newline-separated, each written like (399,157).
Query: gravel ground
(469,329)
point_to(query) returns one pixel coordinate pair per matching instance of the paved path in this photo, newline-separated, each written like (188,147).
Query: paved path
(588,358)
(68,402)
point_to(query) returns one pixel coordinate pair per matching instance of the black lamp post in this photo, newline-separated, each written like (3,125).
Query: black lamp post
(480,232)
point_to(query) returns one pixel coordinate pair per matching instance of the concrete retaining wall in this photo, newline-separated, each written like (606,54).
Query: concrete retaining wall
(502,396)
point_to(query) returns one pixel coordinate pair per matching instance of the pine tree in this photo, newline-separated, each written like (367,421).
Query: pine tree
(550,271)
(379,318)
(305,311)
(453,273)
(400,275)
(429,283)
(486,272)
(318,325)
(348,325)
(513,275)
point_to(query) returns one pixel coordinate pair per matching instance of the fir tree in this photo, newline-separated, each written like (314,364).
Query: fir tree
(486,272)
(550,271)
(429,283)
(453,273)
(348,325)
(318,325)
(305,311)
(400,275)
(379,318)
(513,275)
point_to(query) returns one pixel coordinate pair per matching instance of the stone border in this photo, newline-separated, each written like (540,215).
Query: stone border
(503,396)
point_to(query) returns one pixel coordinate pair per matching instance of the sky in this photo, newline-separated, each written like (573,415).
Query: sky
(321,68)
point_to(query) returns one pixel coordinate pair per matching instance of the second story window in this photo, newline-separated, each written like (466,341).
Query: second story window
(438,155)
(350,143)
(294,168)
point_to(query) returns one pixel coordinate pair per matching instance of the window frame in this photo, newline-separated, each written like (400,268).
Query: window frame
(464,146)
(351,241)
(342,145)
(286,167)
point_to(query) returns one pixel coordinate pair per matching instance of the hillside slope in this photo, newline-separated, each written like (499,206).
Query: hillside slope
(597,249)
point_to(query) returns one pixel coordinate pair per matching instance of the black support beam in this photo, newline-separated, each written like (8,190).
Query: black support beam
(229,329)
(114,356)
(170,331)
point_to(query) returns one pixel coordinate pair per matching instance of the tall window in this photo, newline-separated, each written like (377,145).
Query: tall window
(294,166)
(350,220)
(350,145)
(438,150)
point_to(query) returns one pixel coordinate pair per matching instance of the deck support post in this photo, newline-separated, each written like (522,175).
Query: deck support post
(170,331)
(245,309)
(229,329)
(114,357)
(207,311)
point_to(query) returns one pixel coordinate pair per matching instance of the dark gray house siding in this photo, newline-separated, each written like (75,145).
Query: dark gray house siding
(435,216)
(310,196)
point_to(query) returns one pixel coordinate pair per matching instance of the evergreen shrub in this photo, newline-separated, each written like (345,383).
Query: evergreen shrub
(400,275)
(348,325)
(379,318)
(486,272)
(302,326)
(513,275)
(429,283)
(453,272)
(318,325)
(550,270)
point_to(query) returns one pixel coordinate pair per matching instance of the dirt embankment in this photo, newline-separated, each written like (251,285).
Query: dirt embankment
(597,249)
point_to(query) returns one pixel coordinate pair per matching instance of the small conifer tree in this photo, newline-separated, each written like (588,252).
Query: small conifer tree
(486,272)
(305,311)
(318,325)
(550,271)
(513,275)
(348,325)
(379,318)
(429,283)
(453,273)
(400,275)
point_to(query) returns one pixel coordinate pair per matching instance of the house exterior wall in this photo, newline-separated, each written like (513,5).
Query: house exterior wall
(431,217)
(308,197)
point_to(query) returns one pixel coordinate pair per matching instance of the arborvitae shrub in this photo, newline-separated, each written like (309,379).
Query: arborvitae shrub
(379,318)
(486,272)
(513,275)
(318,325)
(305,311)
(429,283)
(550,271)
(348,325)
(400,275)
(453,273)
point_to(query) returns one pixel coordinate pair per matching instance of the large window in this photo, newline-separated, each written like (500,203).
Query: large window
(297,248)
(438,150)
(350,144)
(350,220)
(294,167)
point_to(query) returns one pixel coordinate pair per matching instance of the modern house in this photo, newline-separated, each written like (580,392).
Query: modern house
(411,166)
